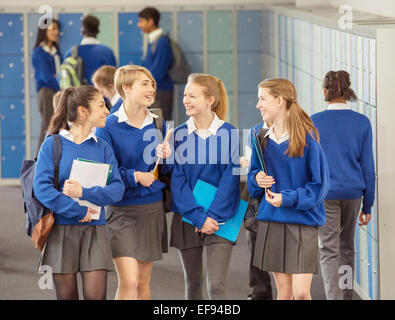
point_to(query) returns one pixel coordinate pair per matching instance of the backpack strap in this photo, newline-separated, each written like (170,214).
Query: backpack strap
(57,154)
(153,47)
(158,121)
(74,51)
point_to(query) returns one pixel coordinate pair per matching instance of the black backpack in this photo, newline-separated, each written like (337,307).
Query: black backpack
(180,69)
(35,212)
(250,221)
(167,198)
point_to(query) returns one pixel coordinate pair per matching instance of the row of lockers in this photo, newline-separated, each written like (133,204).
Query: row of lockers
(304,53)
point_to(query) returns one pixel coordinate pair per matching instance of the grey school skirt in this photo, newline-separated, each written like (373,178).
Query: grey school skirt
(286,248)
(138,231)
(73,249)
(183,235)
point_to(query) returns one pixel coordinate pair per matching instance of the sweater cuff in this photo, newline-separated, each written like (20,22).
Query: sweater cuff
(200,220)
(85,194)
(288,198)
(367,209)
(81,215)
(131,177)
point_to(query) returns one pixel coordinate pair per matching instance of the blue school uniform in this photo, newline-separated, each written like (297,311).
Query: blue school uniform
(134,149)
(66,210)
(94,55)
(302,181)
(45,74)
(214,160)
(346,137)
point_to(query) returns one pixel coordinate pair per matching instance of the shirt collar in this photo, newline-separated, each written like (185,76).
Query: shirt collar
(51,51)
(67,135)
(89,40)
(272,135)
(338,106)
(152,36)
(115,98)
(123,117)
(216,123)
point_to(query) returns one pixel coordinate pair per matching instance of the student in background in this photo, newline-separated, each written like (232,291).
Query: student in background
(77,243)
(259,280)
(158,62)
(346,137)
(137,222)
(205,133)
(291,213)
(103,80)
(46,61)
(93,54)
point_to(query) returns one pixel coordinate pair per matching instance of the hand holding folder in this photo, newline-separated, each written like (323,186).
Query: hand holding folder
(155,172)
(204,194)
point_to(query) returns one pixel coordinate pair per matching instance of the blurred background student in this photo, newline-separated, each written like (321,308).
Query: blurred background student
(46,61)
(346,137)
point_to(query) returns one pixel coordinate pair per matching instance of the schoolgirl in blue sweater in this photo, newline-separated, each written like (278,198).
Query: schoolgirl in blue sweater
(78,241)
(346,137)
(137,222)
(46,61)
(207,149)
(292,209)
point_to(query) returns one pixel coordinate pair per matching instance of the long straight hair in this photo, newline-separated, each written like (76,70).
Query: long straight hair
(42,35)
(212,87)
(70,100)
(298,121)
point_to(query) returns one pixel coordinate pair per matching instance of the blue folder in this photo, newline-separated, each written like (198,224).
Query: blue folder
(204,194)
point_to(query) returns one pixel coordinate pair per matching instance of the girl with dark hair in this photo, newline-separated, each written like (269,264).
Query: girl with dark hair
(346,137)
(46,62)
(77,243)
(292,191)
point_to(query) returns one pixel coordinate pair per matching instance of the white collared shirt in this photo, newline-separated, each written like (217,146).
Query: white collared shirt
(338,106)
(272,136)
(152,36)
(115,98)
(89,40)
(123,117)
(67,134)
(211,131)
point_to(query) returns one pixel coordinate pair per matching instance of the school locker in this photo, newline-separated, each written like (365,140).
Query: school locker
(12,154)
(106,35)
(251,64)
(249,31)
(70,30)
(12,115)
(221,66)
(247,113)
(372,71)
(166,23)
(190,35)
(130,58)
(219,31)
(11,34)
(130,36)
(11,76)
(364,259)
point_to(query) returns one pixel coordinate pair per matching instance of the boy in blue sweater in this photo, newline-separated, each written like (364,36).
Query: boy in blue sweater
(293,190)
(93,54)
(346,137)
(158,61)
(78,242)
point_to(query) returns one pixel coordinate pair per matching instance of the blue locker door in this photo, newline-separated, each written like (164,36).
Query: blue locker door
(70,30)
(12,154)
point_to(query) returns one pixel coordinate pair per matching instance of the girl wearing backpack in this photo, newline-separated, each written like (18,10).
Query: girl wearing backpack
(207,149)
(137,222)
(290,214)
(77,243)
(346,138)
(46,61)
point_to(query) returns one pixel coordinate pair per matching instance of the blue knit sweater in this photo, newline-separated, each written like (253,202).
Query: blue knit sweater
(44,69)
(67,211)
(346,137)
(302,181)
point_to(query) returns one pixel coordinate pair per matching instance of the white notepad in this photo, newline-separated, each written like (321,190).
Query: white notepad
(89,174)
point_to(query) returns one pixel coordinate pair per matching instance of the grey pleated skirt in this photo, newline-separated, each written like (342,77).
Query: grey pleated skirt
(138,231)
(183,235)
(73,249)
(286,248)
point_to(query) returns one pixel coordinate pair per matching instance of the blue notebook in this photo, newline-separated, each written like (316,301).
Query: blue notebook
(204,194)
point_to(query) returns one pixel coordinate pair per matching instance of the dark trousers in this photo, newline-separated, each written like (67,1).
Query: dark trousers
(260,281)
(45,105)
(164,100)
